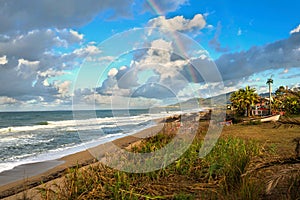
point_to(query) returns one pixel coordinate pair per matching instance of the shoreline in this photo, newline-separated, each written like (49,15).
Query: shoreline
(27,176)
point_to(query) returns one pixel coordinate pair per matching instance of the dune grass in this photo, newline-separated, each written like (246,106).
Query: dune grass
(216,176)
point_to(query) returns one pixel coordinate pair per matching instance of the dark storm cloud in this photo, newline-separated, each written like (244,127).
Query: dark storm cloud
(22,89)
(280,54)
(27,15)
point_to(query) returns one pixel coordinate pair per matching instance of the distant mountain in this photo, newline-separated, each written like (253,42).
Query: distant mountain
(215,100)
(203,102)
(220,97)
(265,95)
(208,102)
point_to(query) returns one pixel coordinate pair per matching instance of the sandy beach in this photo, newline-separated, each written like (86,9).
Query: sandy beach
(258,139)
(25,177)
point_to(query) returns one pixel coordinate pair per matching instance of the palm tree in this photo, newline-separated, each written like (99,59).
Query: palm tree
(250,98)
(270,82)
(236,100)
(243,99)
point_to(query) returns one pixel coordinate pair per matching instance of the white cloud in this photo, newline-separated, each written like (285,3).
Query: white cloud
(296,30)
(43,44)
(27,68)
(32,59)
(67,37)
(210,27)
(3,60)
(46,83)
(178,23)
(104,59)
(88,50)
(161,69)
(27,62)
(76,34)
(161,44)
(112,72)
(7,100)
(51,73)
(285,71)
(123,68)
(63,88)
(159,59)
(92,49)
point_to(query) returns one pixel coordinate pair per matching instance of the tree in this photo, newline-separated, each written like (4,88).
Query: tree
(270,82)
(236,100)
(243,99)
(287,99)
(280,91)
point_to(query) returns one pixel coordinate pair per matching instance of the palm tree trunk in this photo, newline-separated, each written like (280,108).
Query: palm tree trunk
(248,111)
(270,96)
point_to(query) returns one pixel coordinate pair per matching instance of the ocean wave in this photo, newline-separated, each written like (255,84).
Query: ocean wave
(55,153)
(37,135)
(77,124)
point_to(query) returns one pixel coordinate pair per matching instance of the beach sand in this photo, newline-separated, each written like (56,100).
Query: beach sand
(28,176)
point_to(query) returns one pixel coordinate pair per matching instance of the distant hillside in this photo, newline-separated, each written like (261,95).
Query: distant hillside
(220,97)
(265,95)
(207,102)
(203,102)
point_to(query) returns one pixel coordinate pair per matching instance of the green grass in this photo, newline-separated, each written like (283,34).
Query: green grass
(216,176)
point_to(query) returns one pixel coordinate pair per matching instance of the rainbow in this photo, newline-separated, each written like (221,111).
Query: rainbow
(178,42)
(155,7)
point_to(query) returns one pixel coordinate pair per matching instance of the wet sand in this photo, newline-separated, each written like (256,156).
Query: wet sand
(22,172)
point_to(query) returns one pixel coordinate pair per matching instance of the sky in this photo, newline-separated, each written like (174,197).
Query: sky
(72,54)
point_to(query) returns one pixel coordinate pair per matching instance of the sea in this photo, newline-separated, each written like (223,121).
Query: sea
(29,137)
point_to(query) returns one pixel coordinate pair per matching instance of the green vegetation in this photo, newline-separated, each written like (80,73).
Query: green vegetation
(285,100)
(288,100)
(216,176)
(248,162)
(243,99)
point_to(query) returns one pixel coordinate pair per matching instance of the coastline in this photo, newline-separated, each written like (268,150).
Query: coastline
(27,176)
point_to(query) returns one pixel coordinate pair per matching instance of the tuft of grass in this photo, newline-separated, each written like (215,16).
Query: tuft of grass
(216,176)
(183,196)
(250,189)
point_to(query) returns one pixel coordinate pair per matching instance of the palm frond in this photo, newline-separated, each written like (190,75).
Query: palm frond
(283,175)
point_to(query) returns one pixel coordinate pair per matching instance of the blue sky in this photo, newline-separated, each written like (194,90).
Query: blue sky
(98,54)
